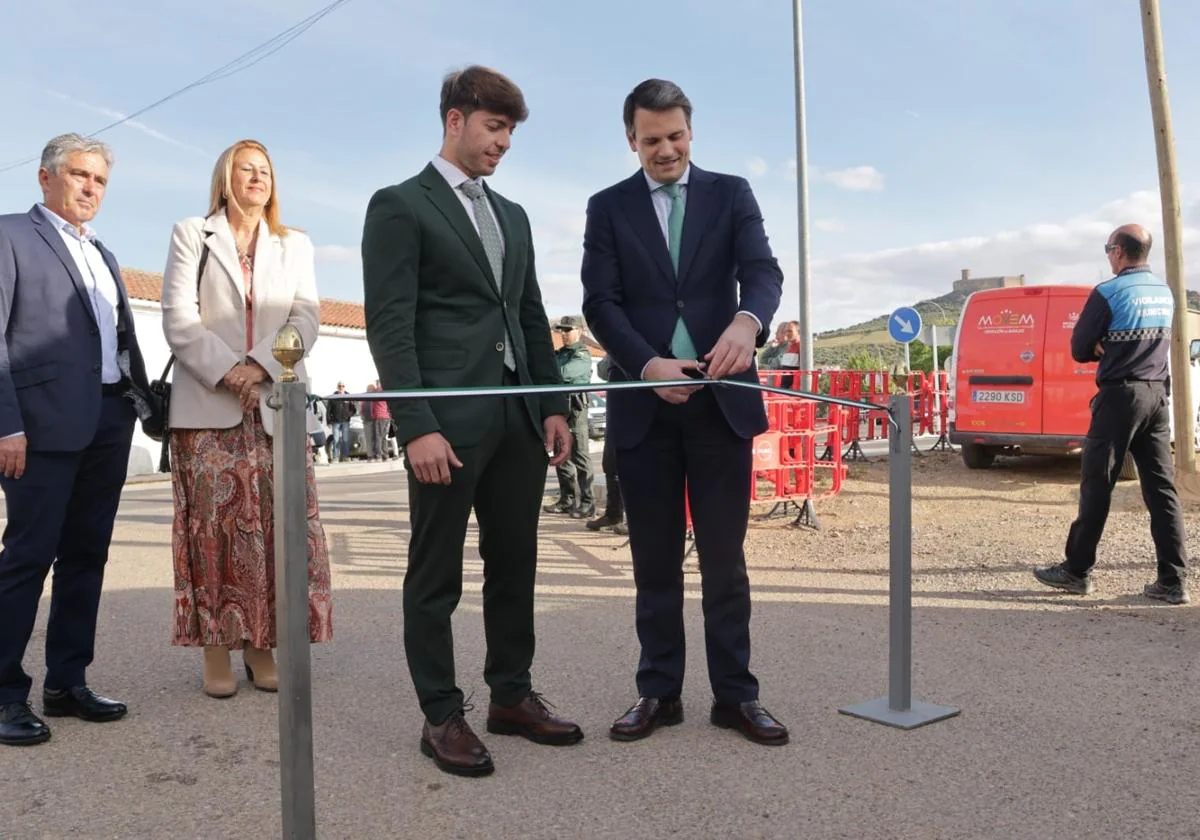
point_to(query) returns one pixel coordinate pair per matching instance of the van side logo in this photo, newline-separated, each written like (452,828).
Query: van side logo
(1005,322)
(1072,320)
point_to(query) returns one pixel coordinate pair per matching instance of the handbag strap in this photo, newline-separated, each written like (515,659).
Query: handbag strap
(199,274)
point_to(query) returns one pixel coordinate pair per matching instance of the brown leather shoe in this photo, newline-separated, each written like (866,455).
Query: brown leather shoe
(752,720)
(454,748)
(644,716)
(532,719)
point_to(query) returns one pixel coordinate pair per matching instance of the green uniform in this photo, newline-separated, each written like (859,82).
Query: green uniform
(575,474)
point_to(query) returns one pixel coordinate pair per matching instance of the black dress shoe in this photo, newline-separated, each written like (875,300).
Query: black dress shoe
(83,703)
(644,716)
(559,507)
(605,521)
(752,720)
(20,727)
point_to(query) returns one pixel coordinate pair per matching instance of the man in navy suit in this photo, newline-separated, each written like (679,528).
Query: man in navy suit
(72,383)
(678,277)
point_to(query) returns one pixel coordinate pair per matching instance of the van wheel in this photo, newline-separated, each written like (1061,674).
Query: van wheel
(1128,469)
(977,457)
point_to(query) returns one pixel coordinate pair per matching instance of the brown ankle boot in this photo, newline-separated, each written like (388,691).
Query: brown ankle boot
(260,668)
(218,675)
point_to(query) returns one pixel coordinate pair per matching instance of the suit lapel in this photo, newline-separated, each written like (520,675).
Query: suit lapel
(54,239)
(223,247)
(639,210)
(695,218)
(264,276)
(449,205)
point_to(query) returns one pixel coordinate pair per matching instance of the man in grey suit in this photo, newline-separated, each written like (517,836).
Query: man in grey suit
(72,383)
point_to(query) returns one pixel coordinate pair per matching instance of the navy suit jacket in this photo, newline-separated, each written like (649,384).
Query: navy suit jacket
(632,297)
(50,356)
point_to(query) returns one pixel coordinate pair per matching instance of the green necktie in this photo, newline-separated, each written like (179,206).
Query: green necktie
(681,341)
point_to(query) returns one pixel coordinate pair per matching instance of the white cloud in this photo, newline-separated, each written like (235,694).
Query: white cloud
(757,167)
(336,253)
(856,178)
(829,225)
(849,288)
(136,125)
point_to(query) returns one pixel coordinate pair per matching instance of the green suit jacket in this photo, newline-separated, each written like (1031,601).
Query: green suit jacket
(435,318)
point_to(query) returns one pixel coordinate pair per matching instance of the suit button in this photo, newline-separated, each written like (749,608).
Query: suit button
(500,346)
(95,368)
(95,331)
(679,304)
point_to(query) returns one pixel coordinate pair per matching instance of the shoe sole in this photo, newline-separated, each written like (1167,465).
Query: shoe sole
(1072,588)
(25,742)
(455,769)
(1175,602)
(55,713)
(501,727)
(673,720)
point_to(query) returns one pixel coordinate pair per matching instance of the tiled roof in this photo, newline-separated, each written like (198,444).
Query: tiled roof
(147,285)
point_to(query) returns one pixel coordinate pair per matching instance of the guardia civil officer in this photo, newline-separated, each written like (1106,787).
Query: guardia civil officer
(1126,326)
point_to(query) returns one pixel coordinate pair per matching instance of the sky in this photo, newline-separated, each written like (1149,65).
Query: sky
(999,136)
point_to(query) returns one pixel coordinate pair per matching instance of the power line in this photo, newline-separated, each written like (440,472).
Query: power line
(243,62)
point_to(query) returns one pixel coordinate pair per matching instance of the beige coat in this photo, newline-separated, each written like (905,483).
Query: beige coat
(207,333)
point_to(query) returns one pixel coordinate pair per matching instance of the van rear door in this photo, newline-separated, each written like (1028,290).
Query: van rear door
(1069,385)
(999,365)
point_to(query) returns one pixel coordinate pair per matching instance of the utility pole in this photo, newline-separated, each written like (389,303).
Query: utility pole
(1168,187)
(806,331)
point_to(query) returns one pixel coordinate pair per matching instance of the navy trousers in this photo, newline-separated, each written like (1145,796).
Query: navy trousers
(690,444)
(60,515)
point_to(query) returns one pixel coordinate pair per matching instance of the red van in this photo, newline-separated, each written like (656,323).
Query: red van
(1015,389)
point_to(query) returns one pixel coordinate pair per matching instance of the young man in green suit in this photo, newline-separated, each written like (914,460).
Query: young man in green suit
(452,301)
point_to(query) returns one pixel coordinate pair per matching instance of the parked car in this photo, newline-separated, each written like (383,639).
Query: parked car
(1014,388)
(597,416)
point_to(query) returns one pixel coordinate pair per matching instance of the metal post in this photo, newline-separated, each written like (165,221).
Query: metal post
(806,329)
(937,396)
(1168,187)
(898,709)
(291,593)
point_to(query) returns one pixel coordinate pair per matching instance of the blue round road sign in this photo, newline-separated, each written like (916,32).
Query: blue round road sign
(904,324)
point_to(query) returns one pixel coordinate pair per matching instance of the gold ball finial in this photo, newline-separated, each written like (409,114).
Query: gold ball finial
(288,349)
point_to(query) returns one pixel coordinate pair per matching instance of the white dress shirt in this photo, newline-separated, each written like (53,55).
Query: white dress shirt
(102,288)
(455,177)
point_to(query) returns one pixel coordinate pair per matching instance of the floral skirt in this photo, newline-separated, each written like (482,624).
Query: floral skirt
(223,540)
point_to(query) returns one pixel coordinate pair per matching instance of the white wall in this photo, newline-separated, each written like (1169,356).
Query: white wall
(340,355)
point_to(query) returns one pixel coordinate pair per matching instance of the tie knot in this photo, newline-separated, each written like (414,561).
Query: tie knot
(673,191)
(471,189)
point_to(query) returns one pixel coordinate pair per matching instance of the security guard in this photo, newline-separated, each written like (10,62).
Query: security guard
(575,365)
(1126,326)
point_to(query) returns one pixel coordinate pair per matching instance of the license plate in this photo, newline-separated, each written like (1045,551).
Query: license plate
(998,396)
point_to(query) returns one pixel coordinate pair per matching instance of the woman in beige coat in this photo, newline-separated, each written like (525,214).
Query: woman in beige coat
(233,278)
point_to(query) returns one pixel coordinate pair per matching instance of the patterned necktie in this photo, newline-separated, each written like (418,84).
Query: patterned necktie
(489,235)
(681,340)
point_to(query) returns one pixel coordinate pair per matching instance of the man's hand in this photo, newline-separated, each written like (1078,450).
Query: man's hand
(1098,351)
(734,351)
(558,438)
(431,458)
(660,369)
(12,456)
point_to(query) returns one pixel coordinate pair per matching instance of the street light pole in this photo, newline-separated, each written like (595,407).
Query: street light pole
(1168,187)
(806,331)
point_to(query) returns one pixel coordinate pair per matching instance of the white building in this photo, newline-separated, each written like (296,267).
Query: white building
(340,355)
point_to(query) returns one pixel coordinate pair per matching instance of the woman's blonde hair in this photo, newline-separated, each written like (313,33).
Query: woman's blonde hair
(221,193)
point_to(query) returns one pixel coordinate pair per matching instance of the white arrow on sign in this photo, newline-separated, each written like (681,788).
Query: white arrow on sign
(905,326)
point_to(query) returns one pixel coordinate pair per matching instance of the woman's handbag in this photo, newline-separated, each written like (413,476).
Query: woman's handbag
(160,389)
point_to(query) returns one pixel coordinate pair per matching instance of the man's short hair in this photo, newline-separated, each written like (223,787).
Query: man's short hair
(482,89)
(1134,248)
(59,148)
(656,95)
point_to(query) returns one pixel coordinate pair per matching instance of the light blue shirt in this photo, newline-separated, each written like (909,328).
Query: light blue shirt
(102,288)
